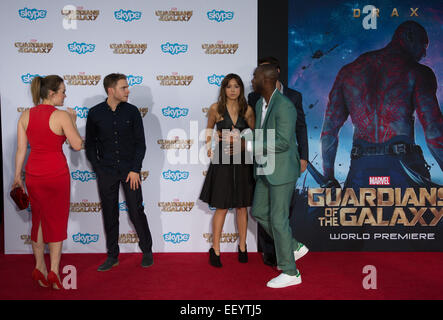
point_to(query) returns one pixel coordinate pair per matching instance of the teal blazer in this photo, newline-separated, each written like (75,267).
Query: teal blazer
(283,160)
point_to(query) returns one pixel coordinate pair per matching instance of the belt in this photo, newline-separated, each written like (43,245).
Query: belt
(394,149)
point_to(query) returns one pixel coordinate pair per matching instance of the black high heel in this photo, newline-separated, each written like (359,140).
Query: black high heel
(214,259)
(242,255)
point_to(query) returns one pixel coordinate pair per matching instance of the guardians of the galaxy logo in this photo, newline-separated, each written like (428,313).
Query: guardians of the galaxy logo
(21,109)
(175,144)
(81,79)
(144,175)
(85,206)
(34,47)
(26,238)
(128,238)
(143,111)
(176,206)
(225,237)
(220,48)
(128,48)
(175,79)
(173,15)
(411,207)
(80,14)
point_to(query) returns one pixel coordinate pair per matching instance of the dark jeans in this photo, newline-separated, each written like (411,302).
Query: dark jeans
(108,186)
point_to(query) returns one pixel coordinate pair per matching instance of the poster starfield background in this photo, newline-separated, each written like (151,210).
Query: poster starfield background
(392,197)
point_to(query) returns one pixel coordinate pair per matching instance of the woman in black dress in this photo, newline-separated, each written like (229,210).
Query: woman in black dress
(229,182)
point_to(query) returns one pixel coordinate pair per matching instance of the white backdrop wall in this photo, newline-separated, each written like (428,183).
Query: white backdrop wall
(175,54)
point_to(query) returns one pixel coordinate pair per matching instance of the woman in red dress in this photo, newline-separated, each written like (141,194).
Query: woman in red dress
(47,172)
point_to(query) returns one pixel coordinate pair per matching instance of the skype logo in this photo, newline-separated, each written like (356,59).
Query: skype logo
(27,78)
(133,80)
(123,206)
(82,112)
(32,14)
(220,15)
(174,48)
(127,15)
(175,112)
(176,237)
(83,176)
(215,79)
(81,48)
(175,175)
(85,238)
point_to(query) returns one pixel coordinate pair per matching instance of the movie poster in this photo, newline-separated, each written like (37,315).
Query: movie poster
(370,75)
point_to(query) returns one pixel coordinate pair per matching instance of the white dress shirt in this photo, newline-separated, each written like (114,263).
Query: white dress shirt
(265,108)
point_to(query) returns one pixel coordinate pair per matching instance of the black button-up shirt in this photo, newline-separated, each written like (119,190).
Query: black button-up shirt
(115,140)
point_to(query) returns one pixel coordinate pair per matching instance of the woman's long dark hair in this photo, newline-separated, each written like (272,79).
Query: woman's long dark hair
(242,103)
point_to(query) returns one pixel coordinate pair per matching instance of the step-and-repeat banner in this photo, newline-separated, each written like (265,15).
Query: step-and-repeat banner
(375,125)
(175,55)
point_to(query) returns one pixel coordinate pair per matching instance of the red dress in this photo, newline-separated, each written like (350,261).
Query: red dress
(47,177)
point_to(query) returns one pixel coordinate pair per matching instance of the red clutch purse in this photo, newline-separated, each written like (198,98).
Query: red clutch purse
(20,198)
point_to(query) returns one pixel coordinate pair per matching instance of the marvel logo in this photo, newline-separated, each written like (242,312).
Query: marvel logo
(384,181)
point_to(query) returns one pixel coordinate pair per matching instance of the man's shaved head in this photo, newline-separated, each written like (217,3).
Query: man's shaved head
(269,71)
(265,77)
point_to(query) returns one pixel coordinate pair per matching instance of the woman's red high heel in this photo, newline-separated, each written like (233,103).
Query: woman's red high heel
(54,282)
(38,277)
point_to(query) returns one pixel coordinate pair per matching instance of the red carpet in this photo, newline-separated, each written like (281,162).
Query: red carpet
(188,276)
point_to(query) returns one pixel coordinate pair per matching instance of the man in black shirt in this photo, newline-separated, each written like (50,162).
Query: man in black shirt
(115,146)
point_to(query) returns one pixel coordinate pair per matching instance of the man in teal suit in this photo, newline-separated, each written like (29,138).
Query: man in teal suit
(276,169)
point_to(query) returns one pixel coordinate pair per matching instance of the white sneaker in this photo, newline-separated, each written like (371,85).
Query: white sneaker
(284,280)
(300,252)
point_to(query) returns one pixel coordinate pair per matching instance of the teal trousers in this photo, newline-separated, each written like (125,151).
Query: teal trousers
(271,209)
